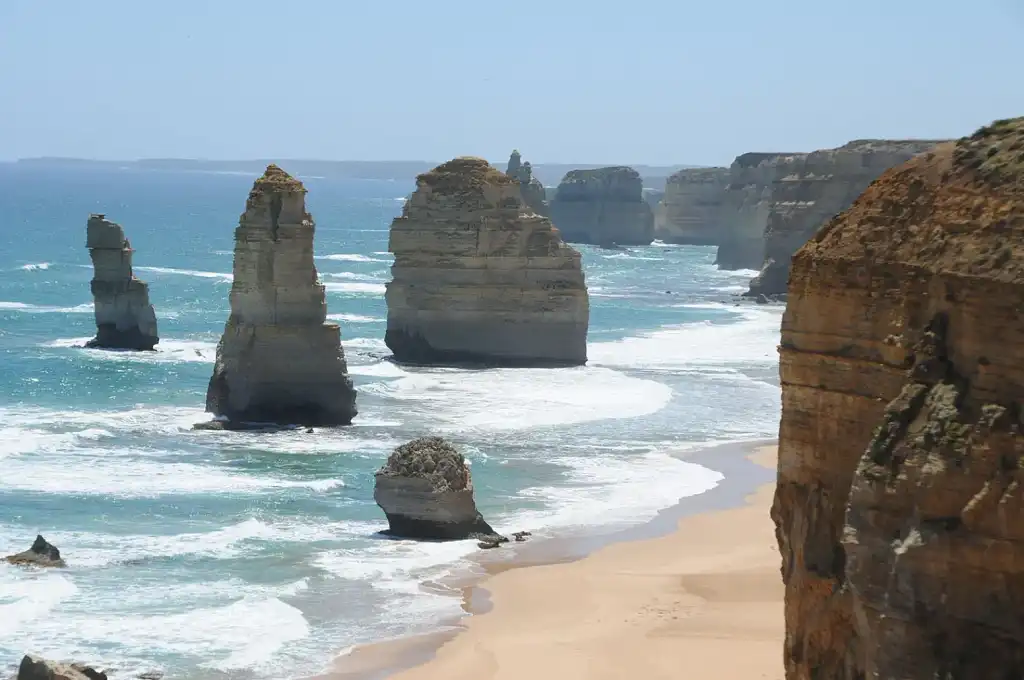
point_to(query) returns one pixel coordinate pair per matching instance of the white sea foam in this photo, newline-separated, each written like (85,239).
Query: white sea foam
(353,318)
(168,350)
(84,308)
(38,266)
(356,288)
(351,276)
(223,276)
(350,257)
(29,596)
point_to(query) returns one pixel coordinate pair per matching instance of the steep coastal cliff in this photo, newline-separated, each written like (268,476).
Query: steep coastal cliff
(278,362)
(691,209)
(124,317)
(810,189)
(478,276)
(529,186)
(900,501)
(603,206)
(745,208)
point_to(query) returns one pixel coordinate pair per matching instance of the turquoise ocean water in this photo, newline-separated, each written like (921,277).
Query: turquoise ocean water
(238,555)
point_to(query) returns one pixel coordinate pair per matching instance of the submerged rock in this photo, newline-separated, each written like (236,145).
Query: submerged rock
(426,491)
(124,317)
(278,361)
(36,668)
(603,206)
(479,277)
(41,554)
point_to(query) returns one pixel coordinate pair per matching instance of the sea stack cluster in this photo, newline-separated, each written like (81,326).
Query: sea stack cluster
(278,361)
(480,277)
(529,186)
(900,500)
(604,206)
(124,317)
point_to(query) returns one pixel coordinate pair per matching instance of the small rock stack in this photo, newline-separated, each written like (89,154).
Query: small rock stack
(124,317)
(278,361)
(604,206)
(530,187)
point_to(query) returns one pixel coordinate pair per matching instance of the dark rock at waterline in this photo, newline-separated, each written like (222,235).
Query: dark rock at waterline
(36,668)
(41,554)
(426,492)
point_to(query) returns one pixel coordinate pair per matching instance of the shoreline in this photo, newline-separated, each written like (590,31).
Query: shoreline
(744,472)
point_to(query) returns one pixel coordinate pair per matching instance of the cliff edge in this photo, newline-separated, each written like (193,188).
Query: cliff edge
(278,362)
(604,206)
(480,277)
(124,317)
(899,508)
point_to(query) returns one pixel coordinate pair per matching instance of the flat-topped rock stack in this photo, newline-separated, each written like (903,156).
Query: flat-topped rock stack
(745,208)
(124,317)
(899,506)
(691,208)
(278,361)
(480,277)
(529,186)
(810,189)
(604,206)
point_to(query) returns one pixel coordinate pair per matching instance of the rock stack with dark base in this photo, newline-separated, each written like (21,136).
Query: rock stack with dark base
(530,187)
(426,491)
(41,554)
(603,207)
(124,317)
(899,506)
(278,362)
(690,212)
(479,277)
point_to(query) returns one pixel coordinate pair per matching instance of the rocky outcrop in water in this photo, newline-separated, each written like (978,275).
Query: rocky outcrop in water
(41,554)
(899,507)
(604,207)
(745,208)
(278,361)
(530,187)
(124,317)
(426,491)
(36,668)
(691,209)
(810,189)
(479,277)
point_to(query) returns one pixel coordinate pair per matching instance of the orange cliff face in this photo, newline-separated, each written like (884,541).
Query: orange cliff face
(899,509)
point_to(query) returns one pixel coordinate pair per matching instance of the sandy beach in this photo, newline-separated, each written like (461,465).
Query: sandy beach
(703,601)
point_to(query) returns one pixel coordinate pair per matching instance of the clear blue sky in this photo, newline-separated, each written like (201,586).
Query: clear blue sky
(662,81)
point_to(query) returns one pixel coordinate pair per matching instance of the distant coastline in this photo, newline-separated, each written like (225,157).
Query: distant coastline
(548,173)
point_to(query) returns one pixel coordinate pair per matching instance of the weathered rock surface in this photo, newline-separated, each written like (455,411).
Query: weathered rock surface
(41,554)
(278,361)
(530,187)
(691,209)
(899,507)
(479,277)
(603,206)
(810,189)
(426,491)
(745,209)
(36,668)
(124,317)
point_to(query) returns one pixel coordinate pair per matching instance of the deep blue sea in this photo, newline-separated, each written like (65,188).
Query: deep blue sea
(210,555)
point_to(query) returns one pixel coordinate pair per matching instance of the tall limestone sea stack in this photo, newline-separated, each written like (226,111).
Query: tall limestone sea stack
(124,317)
(603,206)
(810,189)
(529,186)
(691,209)
(899,507)
(480,277)
(278,362)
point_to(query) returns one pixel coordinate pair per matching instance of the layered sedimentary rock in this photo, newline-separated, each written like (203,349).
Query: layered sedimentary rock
(691,209)
(480,277)
(529,186)
(603,206)
(278,361)
(41,554)
(426,491)
(124,317)
(745,208)
(900,500)
(810,189)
